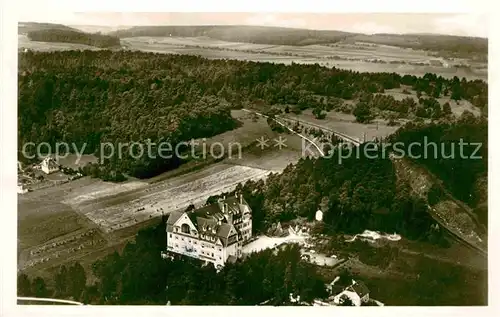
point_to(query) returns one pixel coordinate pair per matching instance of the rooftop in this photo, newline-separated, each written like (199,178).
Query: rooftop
(211,220)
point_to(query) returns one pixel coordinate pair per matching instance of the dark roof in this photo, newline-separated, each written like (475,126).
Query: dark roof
(210,220)
(173,217)
(204,212)
(360,288)
(50,162)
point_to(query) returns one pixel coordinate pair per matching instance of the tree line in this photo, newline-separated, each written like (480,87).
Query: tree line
(74,36)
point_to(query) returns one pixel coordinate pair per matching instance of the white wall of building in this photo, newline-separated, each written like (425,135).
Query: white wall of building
(191,244)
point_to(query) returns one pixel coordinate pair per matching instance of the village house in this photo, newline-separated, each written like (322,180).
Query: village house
(214,233)
(357,293)
(49,165)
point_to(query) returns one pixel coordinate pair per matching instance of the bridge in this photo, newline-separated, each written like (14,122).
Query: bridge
(343,136)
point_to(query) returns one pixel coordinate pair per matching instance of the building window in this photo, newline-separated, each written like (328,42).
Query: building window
(182,239)
(170,235)
(212,255)
(185,228)
(220,249)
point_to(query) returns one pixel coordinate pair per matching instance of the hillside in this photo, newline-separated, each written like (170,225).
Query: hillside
(441,45)
(26,27)
(73,36)
(240,33)
(446,45)
(453,45)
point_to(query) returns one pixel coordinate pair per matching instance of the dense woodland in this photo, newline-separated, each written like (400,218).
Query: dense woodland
(136,97)
(74,36)
(463,172)
(355,195)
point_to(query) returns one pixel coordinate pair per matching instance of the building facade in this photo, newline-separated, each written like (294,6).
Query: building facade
(49,165)
(213,233)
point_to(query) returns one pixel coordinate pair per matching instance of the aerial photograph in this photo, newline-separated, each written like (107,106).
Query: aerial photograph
(252,159)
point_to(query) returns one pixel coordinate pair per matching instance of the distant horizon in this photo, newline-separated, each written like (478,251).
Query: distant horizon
(125,27)
(454,24)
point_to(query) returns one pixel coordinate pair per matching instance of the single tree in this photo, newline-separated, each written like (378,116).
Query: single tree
(362,112)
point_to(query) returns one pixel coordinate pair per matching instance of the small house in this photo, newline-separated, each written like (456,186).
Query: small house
(357,294)
(49,165)
(360,289)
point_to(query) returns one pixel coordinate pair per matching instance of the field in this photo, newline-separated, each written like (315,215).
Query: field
(345,123)
(25,43)
(457,108)
(355,56)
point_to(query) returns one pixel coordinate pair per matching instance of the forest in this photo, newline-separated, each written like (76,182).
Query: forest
(464,172)
(103,96)
(74,36)
(359,194)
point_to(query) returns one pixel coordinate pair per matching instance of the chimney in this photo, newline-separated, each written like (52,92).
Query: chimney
(241,199)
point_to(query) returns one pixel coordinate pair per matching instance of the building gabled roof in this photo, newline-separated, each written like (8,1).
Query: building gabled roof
(210,220)
(359,288)
(206,212)
(50,163)
(173,217)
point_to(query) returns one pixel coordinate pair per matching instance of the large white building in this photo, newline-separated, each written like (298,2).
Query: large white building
(213,233)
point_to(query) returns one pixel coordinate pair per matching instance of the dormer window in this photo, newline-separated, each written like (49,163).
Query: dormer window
(185,228)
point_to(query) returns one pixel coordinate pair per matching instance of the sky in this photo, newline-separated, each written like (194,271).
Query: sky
(464,24)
